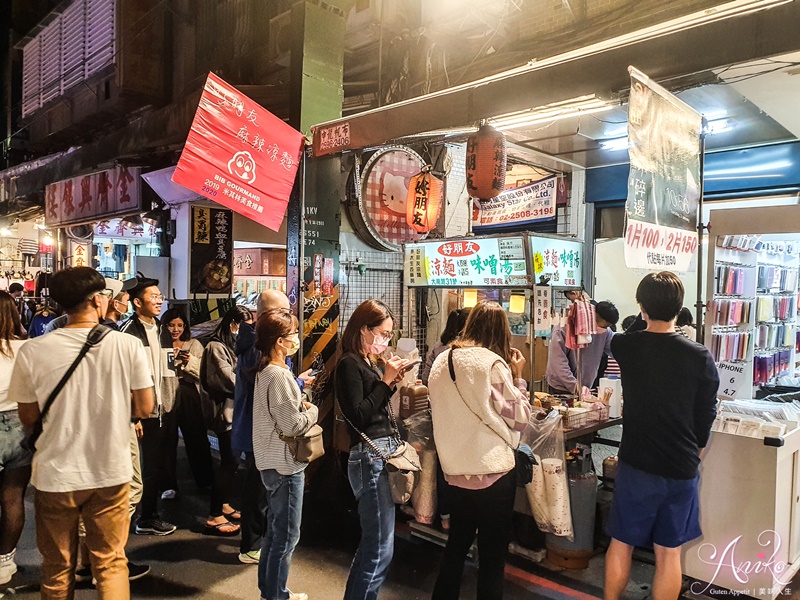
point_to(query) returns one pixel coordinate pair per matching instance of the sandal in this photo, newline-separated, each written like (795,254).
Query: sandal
(234,515)
(219,530)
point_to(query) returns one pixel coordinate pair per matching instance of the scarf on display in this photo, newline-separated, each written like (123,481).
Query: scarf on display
(581,325)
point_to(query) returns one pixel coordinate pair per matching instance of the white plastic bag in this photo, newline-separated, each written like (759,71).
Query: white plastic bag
(548,492)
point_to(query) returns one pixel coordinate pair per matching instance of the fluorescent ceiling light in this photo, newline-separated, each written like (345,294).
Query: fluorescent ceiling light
(583,105)
(620,143)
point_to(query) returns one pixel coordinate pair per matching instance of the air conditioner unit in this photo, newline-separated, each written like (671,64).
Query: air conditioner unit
(280,38)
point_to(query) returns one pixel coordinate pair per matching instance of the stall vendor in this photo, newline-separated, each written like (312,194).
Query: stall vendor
(562,362)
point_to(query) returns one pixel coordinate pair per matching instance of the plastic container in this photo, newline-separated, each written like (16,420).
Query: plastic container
(413,398)
(613,384)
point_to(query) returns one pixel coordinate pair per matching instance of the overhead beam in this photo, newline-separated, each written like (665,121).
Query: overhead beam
(602,72)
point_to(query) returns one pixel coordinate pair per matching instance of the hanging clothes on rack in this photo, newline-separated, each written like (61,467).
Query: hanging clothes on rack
(581,324)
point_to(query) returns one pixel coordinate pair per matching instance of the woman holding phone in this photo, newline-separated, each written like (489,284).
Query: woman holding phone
(182,404)
(363,393)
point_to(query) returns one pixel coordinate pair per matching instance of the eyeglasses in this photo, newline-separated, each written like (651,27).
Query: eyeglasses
(107,293)
(157,298)
(385,335)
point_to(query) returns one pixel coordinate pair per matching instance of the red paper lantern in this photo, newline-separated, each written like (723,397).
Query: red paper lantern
(486,163)
(424,201)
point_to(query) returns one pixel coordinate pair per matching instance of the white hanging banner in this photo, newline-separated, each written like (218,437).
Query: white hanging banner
(664,181)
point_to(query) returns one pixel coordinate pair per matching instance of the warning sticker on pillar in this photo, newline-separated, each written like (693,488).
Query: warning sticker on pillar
(240,155)
(664,180)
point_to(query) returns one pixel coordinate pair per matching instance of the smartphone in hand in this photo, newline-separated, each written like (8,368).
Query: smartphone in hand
(410,365)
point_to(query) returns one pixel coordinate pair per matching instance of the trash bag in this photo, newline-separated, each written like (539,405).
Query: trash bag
(548,492)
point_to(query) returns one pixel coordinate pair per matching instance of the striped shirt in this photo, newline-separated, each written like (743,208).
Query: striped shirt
(510,402)
(278,406)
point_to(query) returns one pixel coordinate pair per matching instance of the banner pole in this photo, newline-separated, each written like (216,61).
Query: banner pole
(701,227)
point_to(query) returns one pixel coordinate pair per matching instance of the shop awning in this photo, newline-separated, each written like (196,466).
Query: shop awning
(728,34)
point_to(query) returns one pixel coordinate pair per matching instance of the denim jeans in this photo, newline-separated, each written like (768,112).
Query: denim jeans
(285,498)
(369,481)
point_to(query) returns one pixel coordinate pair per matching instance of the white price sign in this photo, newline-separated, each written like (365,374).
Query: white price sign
(731,379)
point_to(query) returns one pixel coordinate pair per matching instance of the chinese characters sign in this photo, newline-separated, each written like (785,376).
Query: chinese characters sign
(542,305)
(115,228)
(530,203)
(212,250)
(560,259)
(93,197)
(79,254)
(478,262)
(240,155)
(664,180)
(329,139)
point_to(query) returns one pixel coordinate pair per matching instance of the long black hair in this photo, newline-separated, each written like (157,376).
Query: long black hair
(455,325)
(238,315)
(170,315)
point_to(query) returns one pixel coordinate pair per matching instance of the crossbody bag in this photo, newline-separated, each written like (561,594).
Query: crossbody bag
(97,333)
(524,459)
(304,448)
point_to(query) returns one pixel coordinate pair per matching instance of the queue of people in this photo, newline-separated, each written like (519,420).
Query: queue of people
(94,463)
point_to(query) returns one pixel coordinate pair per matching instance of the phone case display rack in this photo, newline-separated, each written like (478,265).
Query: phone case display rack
(751,319)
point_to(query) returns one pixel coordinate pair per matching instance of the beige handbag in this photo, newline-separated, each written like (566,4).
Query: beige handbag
(305,447)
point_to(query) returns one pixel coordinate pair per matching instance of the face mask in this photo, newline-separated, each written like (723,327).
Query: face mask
(293,348)
(378,345)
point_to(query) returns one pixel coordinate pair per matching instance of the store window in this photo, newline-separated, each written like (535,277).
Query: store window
(118,243)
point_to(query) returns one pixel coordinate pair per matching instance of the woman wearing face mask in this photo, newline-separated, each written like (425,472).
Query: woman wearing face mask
(218,378)
(363,393)
(278,409)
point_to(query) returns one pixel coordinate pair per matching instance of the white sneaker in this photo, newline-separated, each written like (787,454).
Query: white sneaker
(7,569)
(169,495)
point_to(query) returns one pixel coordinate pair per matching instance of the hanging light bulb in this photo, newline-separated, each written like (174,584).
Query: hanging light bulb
(470,298)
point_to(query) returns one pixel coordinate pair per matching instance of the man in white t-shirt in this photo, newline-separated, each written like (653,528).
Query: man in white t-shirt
(82,466)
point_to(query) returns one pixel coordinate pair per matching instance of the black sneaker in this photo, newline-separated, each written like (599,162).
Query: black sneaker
(83,574)
(137,571)
(154,527)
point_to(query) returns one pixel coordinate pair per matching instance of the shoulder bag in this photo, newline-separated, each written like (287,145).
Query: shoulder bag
(524,459)
(400,464)
(307,446)
(97,333)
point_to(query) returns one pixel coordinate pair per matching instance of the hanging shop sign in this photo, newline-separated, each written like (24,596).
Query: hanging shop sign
(380,207)
(240,155)
(477,262)
(664,180)
(542,305)
(115,228)
(558,261)
(94,197)
(79,254)
(212,250)
(531,203)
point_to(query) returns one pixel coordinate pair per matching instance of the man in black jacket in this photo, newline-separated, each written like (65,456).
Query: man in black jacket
(144,324)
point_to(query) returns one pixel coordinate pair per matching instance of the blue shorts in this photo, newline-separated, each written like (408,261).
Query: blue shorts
(12,453)
(649,509)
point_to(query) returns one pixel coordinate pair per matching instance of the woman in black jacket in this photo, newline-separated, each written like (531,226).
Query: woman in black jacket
(363,392)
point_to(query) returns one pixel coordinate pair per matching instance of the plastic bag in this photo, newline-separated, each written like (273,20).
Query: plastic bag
(420,430)
(424,497)
(548,492)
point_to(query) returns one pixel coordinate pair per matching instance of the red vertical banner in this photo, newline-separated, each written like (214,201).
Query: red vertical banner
(240,155)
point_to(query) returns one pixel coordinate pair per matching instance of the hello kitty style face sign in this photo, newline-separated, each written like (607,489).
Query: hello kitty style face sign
(384,195)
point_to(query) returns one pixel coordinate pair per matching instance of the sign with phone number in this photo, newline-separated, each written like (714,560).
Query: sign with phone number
(518,206)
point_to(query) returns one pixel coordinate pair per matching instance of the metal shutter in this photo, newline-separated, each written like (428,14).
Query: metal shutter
(31,71)
(100,38)
(73,45)
(51,61)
